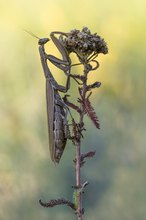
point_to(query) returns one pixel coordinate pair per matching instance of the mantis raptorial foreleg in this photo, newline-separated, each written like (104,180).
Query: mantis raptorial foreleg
(64,64)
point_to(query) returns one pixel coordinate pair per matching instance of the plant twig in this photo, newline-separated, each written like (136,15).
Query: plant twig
(54,202)
(77,143)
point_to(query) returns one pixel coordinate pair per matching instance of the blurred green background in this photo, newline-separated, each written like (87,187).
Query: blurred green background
(117,174)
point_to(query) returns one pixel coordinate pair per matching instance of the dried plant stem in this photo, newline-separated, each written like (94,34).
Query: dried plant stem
(86,46)
(78,181)
(78,147)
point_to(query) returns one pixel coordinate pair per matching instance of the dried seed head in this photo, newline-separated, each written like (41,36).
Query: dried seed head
(83,43)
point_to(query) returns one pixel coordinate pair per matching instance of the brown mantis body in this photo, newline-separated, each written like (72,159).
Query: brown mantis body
(56,109)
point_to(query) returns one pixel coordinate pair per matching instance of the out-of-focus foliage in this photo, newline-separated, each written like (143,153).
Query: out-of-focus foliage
(117,174)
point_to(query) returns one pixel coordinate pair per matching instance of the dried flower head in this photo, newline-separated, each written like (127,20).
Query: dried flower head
(83,43)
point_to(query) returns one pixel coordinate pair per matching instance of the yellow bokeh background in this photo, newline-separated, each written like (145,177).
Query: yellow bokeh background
(117,174)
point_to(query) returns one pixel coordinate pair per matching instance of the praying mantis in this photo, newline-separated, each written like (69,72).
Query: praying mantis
(57,110)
